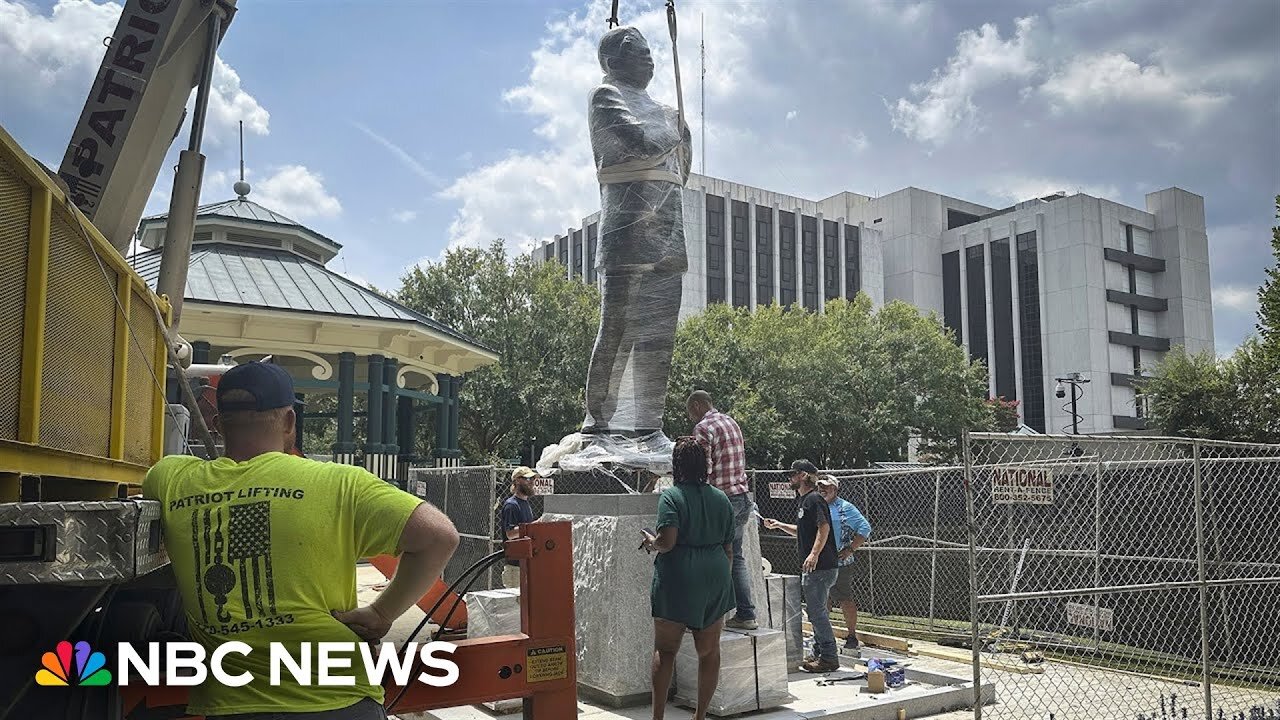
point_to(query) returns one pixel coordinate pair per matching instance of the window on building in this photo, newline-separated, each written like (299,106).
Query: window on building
(577,253)
(715,249)
(592,241)
(549,251)
(787,258)
(562,250)
(1029,319)
(764,255)
(852,262)
(956,218)
(951,294)
(741,270)
(830,259)
(1002,321)
(809,261)
(977,296)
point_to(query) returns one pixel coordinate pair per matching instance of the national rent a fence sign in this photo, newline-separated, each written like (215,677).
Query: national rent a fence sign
(1022,486)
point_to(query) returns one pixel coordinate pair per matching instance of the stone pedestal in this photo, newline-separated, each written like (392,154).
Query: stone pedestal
(753,673)
(612,579)
(490,613)
(782,611)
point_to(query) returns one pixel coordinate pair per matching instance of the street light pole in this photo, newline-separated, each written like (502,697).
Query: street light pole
(1075,380)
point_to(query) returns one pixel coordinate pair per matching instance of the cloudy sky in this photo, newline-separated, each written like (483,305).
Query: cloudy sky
(401,128)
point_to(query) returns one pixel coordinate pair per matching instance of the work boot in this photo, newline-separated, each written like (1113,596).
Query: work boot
(818,665)
(736,624)
(851,642)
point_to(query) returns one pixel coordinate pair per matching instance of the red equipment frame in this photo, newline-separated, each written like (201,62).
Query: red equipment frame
(539,665)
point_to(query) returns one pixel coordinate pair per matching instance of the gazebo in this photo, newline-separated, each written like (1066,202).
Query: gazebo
(258,285)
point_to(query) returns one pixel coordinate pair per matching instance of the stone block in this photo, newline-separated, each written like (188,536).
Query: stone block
(490,613)
(782,611)
(753,673)
(603,504)
(612,578)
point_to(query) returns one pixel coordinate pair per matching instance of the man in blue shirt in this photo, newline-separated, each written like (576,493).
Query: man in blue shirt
(853,530)
(516,511)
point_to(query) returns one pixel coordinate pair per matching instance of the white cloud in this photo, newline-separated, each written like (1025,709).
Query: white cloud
(536,193)
(982,60)
(405,216)
(1091,81)
(410,162)
(50,60)
(1017,188)
(1238,299)
(791,115)
(857,142)
(296,192)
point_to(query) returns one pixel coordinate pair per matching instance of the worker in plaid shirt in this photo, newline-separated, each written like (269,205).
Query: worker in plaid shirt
(727,470)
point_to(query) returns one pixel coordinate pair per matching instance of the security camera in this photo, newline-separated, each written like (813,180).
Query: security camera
(1059,391)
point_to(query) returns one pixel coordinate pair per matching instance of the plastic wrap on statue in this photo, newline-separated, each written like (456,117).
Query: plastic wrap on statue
(641,149)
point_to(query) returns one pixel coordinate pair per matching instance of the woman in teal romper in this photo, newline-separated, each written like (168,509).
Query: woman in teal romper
(692,584)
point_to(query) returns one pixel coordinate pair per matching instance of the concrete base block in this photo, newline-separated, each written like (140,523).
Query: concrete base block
(612,578)
(782,611)
(753,673)
(490,613)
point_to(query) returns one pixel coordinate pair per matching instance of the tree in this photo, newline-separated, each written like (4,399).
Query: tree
(1192,395)
(540,323)
(1004,414)
(1269,296)
(843,388)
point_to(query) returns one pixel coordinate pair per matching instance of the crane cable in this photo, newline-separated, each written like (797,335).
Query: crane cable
(682,153)
(613,19)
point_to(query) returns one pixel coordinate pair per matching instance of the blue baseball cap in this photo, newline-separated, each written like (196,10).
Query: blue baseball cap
(268,383)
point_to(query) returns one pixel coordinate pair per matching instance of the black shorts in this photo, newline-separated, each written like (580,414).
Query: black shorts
(843,589)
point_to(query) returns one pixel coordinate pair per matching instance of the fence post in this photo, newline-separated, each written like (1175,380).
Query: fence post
(1097,556)
(971,531)
(1204,588)
(494,545)
(871,556)
(933,555)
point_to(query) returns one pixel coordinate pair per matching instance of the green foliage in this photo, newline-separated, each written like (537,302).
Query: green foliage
(541,324)
(1269,296)
(843,388)
(1004,414)
(1204,396)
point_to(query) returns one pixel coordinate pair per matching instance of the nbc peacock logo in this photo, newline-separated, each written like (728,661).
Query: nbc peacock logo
(90,666)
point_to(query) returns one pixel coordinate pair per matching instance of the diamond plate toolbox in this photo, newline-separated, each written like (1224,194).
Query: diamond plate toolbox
(79,543)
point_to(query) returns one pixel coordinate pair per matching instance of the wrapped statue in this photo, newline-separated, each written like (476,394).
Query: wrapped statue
(642,156)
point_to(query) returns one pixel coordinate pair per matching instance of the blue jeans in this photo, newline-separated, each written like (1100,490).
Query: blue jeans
(742,506)
(816,587)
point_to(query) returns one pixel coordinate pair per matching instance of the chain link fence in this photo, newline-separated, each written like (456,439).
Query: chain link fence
(1145,570)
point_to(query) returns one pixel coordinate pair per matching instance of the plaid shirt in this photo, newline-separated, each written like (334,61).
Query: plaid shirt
(726,453)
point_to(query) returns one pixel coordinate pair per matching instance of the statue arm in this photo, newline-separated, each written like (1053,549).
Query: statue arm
(611,115)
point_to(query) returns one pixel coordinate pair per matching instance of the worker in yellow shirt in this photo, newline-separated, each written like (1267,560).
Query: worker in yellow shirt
(264,548)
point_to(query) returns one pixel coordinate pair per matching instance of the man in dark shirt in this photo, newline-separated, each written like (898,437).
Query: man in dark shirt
(817,546)
(515,512)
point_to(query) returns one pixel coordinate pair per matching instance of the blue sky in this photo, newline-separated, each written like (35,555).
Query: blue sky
(399,128)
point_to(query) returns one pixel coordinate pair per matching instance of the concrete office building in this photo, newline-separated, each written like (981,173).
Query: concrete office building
(1048,287)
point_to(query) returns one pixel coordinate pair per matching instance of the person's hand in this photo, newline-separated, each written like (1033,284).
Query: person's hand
(846,554)
(810,563)
(772,524)
(366,622)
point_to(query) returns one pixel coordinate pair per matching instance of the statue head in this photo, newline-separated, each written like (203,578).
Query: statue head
(624,55)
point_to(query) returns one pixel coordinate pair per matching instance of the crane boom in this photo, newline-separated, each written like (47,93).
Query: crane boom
(135,109)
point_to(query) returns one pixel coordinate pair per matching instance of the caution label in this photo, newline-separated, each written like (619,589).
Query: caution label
(548,663)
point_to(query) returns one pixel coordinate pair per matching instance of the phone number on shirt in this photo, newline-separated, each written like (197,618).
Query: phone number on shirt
(246,626)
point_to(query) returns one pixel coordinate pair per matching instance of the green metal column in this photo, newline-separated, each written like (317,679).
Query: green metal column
(442,416)
(299,412)
(373,437)
(345,444)
(455,409)
(407,420)
(389,441)
(200,352)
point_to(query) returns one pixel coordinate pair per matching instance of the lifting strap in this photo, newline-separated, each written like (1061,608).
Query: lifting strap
(613,19)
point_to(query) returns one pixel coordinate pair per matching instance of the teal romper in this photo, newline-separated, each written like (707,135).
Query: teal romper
(692,584)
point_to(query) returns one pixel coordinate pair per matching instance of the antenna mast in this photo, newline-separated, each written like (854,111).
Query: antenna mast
(703,50)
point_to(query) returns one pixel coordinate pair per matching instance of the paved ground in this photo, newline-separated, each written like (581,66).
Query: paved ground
(1065,692)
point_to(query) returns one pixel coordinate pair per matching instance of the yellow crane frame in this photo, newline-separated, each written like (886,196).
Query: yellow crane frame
(82,350)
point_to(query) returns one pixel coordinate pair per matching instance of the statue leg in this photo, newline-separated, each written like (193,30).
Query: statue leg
(605,372)
(654,346)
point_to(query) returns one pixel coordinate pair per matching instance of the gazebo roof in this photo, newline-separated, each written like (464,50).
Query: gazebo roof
(276,279)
